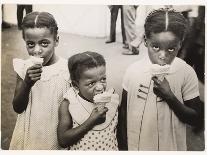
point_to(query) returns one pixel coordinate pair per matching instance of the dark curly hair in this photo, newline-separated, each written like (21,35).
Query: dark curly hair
(166,19)
(40,20)
(84,61)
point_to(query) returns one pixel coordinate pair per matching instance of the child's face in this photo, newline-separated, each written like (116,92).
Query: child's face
(163,47)
(40,41)
(92,82)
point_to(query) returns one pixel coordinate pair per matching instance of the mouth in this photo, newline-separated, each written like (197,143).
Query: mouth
(163,64)
(100,92)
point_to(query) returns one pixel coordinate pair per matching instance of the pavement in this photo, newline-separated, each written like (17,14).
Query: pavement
(13,46)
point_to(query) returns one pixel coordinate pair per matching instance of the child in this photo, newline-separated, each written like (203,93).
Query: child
(83,123)
(162,95)
(41,83)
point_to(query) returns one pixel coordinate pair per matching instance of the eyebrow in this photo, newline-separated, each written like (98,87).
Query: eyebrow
(29,41)
(45,40)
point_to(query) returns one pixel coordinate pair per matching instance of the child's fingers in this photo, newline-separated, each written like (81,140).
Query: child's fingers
(37,66)
(155,90)
(35,75)
(104,110)
(156,80)
(35,78)
(33,71)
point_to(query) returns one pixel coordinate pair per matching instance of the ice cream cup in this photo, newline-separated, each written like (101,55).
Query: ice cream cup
(100,100)
(100,105)
(36,60)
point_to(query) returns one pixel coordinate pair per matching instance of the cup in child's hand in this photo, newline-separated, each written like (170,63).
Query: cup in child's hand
(160,71)
(100,100)
(36,60)
(100,105)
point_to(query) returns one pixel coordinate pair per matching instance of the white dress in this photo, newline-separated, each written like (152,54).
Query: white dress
(101,137)
(36,127)
(151,124)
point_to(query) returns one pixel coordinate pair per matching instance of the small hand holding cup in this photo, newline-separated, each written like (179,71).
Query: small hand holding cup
(101,99)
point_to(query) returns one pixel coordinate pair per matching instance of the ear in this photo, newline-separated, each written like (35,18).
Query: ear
(145,41)
(180,44)
(75,84)
(56,41)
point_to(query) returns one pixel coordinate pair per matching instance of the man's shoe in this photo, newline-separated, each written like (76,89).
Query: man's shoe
(109,41)
(126,46)
(129,53)
(135,50)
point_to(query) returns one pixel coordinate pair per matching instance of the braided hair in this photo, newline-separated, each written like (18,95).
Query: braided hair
(166,19)
(40,20)
(84,61)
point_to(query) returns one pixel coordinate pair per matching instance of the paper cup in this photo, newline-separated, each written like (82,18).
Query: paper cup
(100,105)
(36,60)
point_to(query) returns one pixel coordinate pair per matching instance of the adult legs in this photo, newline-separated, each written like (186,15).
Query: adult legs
(20,10)
(114,13)
(129,12)
(122,26)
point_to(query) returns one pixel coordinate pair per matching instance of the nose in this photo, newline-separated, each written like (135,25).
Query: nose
(37,50)
(162,55)
(99,87)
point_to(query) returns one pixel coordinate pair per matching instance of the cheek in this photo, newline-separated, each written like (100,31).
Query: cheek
(152,55)
(30,51)
(172,57)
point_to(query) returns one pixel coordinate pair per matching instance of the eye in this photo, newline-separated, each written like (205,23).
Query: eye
(91,84)
(103,80)
(30,44)
(44,44)
(156,48)
(171,49)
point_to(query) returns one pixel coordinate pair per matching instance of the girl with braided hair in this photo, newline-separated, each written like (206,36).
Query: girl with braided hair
(162,96)
(88,114)
(41,82)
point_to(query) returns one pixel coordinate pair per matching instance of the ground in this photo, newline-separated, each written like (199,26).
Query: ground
(13,46)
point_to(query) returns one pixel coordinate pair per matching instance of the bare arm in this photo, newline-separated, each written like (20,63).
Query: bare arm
(67,135)
(23,87)
(187,112)
(21,96)
(122,123)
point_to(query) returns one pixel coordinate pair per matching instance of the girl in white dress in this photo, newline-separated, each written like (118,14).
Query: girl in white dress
(160,93)
(41,82)
(87,122)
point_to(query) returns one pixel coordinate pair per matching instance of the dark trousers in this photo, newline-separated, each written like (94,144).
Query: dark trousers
(20,11)
(114,13)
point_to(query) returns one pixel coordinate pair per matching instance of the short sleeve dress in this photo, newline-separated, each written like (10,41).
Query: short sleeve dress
(102,137)
(151,124)
(36,127)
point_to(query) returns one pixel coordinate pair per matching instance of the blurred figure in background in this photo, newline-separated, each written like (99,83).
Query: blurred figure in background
(4,24)
(193,51)
(20,12)
(129,24)
(114,9)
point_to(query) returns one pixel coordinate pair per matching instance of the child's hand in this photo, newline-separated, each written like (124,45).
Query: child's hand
(98,116)
(33,74)
(162,88)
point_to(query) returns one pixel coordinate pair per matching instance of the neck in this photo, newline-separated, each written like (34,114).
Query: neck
(84,97)
(53,59)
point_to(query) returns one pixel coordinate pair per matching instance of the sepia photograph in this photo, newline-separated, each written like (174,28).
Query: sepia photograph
(103,77)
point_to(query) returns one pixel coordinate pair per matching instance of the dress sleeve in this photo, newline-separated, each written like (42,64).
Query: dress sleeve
(19,67)
(190,88)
